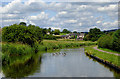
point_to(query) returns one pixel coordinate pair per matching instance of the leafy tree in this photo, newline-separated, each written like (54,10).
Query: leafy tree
(23,23)
(56,31)
(105,41)
(75,32)
(110,41)
(93,34)
(49,30)
(20,33)
(87,37)
(116,40)
(65,31)
(44,31)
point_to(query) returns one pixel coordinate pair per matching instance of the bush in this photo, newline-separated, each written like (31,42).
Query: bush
(105,41)
(110,41)
(116,40)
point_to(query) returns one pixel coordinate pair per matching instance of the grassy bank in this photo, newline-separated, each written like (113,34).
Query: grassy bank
(108,50)
(53,44)
(113,59)
(16,52)
(16,49)
(11,49)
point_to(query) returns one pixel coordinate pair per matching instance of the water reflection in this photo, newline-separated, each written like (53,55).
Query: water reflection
(74,64)
(22,69)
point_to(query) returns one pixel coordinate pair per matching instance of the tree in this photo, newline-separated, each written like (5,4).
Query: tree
(65,31)
(23,23)
(93,34)
(110,41)
(116,40)
(75,32)
(56,31)
(20,33)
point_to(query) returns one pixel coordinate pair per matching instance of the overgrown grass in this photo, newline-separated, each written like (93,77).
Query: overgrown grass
(104,56)
(16,49)
(22,49)
(53,44)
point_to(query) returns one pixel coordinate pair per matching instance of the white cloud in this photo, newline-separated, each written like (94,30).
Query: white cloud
(111,7)
(80,24)
(66,15)
(53,28)
(98,22)
(70,21)
(62,13)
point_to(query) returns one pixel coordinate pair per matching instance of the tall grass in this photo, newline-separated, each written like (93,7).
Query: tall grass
(22,49)
(53,44)
(16,49)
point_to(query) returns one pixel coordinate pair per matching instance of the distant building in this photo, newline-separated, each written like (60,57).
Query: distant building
(80,36)
(77,36)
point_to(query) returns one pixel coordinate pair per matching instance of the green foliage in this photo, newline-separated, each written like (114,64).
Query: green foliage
(116,40)
(110,41)
(105,41)
(65,31)
(93,35)
(75,32)
(56,31)
(20,33)
(23,23)
(49,37)
(16,49)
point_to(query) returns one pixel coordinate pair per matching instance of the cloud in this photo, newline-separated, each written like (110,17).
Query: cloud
(62,13)
(71,15)
(98,22)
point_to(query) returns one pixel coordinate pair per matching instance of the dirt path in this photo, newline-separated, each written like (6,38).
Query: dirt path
(105,51)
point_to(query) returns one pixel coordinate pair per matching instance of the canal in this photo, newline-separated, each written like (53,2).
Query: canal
(74,63)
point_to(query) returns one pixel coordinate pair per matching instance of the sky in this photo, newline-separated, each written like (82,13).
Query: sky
(74,15)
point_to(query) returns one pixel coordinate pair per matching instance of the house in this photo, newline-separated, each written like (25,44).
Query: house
(77,36)
(80,36)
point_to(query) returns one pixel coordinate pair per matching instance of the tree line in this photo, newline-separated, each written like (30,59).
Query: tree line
(30,34)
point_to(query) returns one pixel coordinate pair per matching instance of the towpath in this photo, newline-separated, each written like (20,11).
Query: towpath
(105,51)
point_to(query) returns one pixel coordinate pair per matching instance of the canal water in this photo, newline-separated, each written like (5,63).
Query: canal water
(74,64)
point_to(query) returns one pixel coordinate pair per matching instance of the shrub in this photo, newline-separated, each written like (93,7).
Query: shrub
(110,41)
(116,40)
(105,41)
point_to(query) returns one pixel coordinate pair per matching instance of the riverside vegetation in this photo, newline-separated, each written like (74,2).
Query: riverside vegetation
(110,43)
(21,42)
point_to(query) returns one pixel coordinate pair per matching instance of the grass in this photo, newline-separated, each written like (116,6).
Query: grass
(22,49)
(104,56)
(17,50)
(108,50)
(54,44)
